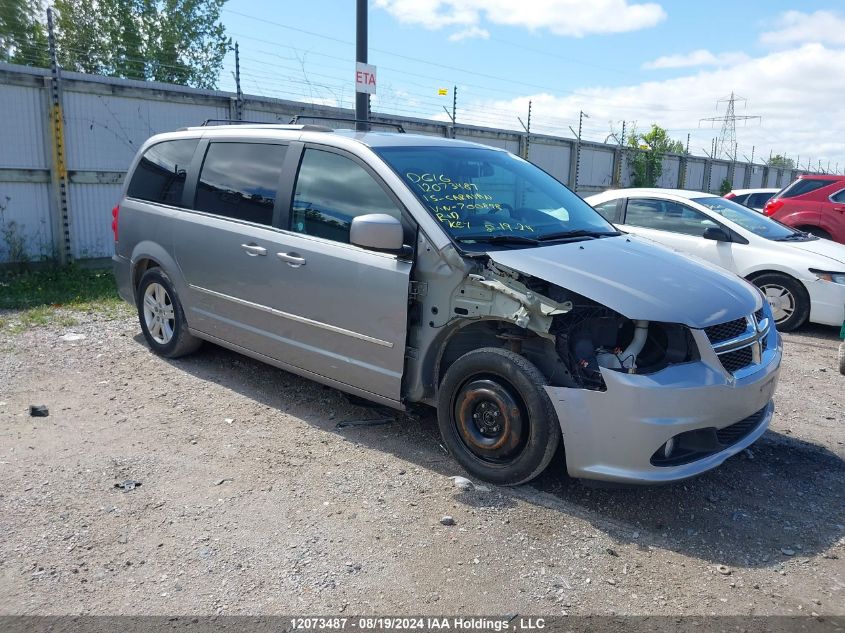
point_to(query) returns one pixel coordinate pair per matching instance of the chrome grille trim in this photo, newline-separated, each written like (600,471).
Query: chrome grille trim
(754,337)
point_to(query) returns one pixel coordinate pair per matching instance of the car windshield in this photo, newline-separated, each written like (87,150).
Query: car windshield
(486,196)
(749,220)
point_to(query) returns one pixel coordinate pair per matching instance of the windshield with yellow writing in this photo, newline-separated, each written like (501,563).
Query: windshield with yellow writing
(477,194)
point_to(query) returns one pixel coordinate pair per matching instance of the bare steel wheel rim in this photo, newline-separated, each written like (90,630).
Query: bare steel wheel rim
(158,313)
(781,300)
(490,420)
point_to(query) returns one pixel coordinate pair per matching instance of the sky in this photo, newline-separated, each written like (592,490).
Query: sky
(670,62)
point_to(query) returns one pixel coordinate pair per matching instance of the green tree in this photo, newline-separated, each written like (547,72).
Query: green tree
(174,41)
(781,161)
(647,161)
(23,36)
(725,187)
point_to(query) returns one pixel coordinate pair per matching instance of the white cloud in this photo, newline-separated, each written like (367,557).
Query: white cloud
(700,57)
(473,32)
(795,27)
(574,18)
(792,90)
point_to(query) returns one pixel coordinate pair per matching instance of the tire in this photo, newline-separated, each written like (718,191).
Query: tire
(161,316)
(842,358)
(518,432)
(788,298)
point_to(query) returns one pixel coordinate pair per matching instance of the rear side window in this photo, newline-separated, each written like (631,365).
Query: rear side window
(610,210)
(838,197)
(161,173)
(802,186)
(240,181)
(758,200)
(331,190)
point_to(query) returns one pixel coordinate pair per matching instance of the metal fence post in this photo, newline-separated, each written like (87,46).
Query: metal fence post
(58,168)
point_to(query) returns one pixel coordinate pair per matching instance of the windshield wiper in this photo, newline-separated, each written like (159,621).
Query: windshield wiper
(577,233)
(498,239)
(795,237)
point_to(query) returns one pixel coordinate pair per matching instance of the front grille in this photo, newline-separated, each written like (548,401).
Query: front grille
(737,359)
(726,331)
(732,434)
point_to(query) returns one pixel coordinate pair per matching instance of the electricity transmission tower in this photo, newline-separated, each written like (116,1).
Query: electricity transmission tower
(726,144)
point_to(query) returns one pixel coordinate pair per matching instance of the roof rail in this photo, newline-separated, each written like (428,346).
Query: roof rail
(295,119)
(311,128)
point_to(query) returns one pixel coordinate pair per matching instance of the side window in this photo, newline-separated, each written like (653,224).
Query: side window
(838,197)
(240,180)
(742,198)
(330,191)
(758,200)
(161,173)
(665,215)
(610,211)
(802,186)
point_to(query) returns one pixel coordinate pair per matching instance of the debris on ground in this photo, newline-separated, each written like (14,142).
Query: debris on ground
(723,569)
(38,411)
(127,485)
(344,424)
(70,337)
(447,520)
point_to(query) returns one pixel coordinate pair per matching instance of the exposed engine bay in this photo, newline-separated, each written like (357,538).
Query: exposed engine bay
(585,336)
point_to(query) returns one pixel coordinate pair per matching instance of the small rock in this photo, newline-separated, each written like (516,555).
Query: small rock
(220,482)
(723,569)
(612,552)
(787,552)
(749,454)
(447,520)
(129,484)
(462,483)
(38,411)
(228,420)
(610,581)
(72,336)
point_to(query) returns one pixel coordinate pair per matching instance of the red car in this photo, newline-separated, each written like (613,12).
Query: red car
(813,203)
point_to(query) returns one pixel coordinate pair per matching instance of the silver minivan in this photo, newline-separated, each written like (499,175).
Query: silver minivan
(410,269)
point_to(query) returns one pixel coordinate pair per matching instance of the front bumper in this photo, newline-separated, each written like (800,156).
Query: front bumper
(611,435)
(827,302)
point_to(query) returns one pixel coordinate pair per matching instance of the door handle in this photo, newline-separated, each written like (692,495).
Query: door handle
(254,249)
(291,259)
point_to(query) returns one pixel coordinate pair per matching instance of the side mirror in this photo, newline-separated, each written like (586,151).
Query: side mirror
(716,234)
(377,231)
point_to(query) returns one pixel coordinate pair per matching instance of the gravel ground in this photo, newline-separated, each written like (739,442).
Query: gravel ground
(252,501)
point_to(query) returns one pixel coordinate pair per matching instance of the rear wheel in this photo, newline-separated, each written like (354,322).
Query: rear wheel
(788,299)
(495,417)
(161,316)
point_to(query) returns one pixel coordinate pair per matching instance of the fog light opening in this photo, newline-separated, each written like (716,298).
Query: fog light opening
(669,448)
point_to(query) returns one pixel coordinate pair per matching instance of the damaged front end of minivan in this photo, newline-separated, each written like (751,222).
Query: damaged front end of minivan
(639,399)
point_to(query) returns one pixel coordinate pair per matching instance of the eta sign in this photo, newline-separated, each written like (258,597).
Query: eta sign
(365,78)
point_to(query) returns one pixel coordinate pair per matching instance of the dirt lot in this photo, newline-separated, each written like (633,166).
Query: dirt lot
(253,501)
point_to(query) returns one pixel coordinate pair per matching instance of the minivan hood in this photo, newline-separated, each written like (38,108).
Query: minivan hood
(832,250)
(639,279)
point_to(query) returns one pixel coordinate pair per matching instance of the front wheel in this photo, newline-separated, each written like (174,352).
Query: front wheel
(495,417)
(161,316)
(788,299)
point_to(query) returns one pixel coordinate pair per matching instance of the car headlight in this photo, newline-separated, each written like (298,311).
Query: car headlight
(825,275)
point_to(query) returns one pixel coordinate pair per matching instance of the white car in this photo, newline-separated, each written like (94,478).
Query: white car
(753,198)
(802,276)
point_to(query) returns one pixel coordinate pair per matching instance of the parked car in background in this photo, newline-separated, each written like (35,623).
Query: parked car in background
(802,276)
(812,203)
(752,198)
(411,269)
